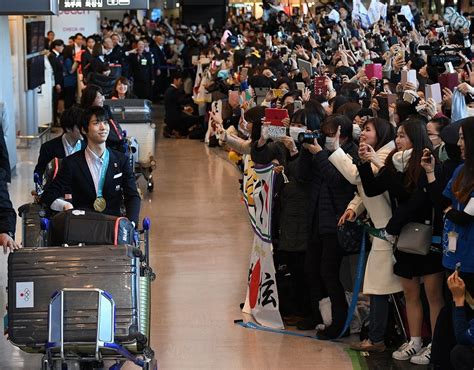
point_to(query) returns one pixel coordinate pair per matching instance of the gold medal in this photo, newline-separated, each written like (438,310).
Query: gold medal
(100,204)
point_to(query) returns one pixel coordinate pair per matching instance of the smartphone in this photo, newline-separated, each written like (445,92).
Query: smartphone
(320,86)
(298,104)
(244,73)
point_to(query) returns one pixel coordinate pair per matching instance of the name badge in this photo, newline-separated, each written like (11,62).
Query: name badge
(144,62)
(452,241)
(118,175)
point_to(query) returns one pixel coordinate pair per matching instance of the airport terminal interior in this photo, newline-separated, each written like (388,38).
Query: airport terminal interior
(229,184)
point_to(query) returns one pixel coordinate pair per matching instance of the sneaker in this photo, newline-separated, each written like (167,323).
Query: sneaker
(423,357)
(367,346)
(405,352)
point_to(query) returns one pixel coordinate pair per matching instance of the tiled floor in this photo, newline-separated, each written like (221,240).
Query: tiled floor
(200,245)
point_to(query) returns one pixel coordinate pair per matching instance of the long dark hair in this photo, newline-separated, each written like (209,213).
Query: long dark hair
(255,115)
(416,132)
(384,131)
(464,184)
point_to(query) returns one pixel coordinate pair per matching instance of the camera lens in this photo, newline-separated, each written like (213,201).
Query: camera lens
(308,137)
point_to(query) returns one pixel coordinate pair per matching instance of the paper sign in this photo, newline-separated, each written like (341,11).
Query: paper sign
(373,70)
(434,92)
(448,80)
(320,87)
(25,295)
(409,76)
(306,66)
(300,86)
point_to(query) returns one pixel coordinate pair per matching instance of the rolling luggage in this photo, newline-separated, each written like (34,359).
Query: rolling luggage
(91,228)
(35,275)
(31,214)
(144,133)
(130,110)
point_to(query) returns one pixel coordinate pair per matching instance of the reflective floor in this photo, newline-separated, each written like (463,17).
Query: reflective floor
(200,247)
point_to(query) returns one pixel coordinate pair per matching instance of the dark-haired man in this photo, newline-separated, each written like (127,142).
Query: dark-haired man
(178,110)
(66,144)
(56,60)
(96,178)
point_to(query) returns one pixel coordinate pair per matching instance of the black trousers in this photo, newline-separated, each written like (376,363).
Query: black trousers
(56,97)
(182,125)
(69,94)
(142,89)
(462,357)
(322,265)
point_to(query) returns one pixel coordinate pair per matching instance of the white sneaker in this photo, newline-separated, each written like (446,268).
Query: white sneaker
(423,357)
(406,351)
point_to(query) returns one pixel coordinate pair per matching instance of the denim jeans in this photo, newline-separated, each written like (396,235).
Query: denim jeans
(378,317)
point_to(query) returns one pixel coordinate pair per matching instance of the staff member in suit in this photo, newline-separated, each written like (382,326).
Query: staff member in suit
(141,71)
(95,178)
(7,213)
(56,60)
(68,143)
(178,110)
(161,56)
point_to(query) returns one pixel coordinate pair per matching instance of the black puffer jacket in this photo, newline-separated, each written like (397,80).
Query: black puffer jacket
(291,230)
(330,191)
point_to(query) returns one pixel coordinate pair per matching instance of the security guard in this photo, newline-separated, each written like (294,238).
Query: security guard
(141,71)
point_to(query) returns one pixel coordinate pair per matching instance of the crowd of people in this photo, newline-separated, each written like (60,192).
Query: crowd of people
(370,139)
(378,130)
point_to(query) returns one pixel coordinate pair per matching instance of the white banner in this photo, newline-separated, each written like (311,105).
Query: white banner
(68,23)
(262,294)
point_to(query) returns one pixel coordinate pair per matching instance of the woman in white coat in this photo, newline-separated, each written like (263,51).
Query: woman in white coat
(377,136)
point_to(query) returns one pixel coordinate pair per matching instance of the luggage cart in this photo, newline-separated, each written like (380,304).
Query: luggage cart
(91,316)
(59,357)
(135,118)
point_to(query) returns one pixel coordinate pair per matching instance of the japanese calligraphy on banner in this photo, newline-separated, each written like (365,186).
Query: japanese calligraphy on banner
(103,4)
(262,294)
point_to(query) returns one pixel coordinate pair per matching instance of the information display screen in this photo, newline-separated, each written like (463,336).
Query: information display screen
(103,4)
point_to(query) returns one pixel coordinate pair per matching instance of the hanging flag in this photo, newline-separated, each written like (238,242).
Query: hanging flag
(262,295)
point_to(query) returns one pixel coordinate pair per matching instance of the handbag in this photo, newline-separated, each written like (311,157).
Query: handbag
(415,238)
(349,236)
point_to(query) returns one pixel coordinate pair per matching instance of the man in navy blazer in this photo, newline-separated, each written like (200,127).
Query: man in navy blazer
(78,183)
(66,144)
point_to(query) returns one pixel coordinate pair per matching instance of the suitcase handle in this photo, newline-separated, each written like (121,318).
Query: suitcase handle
(105,319)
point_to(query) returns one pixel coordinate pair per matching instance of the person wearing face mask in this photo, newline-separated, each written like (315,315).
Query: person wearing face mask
(434,128)
(330,194)
(404,179)
(290,222)
(456,199)
(377,136)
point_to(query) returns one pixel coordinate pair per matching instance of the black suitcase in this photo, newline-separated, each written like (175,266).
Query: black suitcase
(34,275)
(130,110)
(31,214)
(91,228)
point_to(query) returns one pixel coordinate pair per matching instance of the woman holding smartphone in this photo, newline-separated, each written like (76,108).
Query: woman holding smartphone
(406,184)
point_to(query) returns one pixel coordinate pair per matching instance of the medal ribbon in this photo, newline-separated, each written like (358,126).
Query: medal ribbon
(103,171)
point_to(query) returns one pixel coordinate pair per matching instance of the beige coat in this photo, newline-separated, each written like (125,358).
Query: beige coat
(379,277)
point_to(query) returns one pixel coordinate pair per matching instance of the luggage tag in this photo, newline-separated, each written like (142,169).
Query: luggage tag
(452,241)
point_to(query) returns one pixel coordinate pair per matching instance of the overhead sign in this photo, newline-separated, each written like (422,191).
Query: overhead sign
(103,4)
(29,7)
(71,22)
